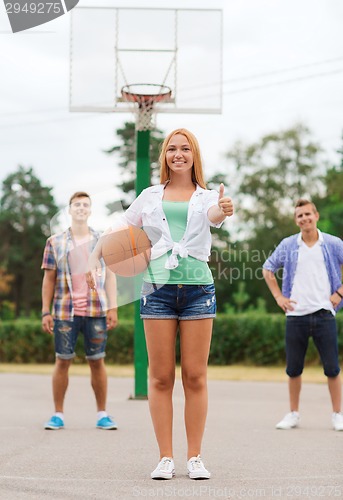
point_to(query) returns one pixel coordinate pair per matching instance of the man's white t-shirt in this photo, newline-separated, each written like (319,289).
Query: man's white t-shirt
(311,287)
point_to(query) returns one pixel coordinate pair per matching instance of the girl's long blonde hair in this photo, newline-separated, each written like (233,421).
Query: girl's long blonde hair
(197,170)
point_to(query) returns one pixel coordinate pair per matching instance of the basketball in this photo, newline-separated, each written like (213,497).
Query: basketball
(126,251)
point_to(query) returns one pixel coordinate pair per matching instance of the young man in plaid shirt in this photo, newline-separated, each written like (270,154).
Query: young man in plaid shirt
(76,308)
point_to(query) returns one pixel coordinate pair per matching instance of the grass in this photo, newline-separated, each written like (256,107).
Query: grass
(312,374)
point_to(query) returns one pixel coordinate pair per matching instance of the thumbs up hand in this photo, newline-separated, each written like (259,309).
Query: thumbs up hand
(224,202)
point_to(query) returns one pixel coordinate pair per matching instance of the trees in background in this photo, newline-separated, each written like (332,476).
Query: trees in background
(330,206)
(265,179)
(126,150)
(269,176)
(25,212)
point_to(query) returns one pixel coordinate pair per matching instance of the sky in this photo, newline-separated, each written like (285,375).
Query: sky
(282,64)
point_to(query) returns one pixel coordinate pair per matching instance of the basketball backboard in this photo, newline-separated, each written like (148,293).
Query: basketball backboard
(112,47)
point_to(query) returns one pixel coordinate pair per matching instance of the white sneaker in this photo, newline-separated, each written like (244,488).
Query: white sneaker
(164,470)
(196,469)
(289,421)
(337,421)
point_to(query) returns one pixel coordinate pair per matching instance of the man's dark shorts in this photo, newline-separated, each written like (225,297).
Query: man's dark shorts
(321,326)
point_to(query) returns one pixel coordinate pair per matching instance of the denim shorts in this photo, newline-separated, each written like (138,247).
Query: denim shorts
(94,335)
(321,326)
(177,301)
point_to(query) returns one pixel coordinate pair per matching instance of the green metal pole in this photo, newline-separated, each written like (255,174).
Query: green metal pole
(140,353)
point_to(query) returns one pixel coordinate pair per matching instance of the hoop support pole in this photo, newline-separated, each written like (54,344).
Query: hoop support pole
(140,351)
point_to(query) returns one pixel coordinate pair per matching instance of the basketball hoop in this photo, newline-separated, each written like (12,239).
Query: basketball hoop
(145,95)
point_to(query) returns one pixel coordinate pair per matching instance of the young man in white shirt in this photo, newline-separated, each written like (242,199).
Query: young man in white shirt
(311,294)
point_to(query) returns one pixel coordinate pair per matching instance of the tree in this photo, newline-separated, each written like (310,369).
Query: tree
(6,307)
(270,175)
(5,282)
(127,153)
(330,206)
(25,212)
(222,257)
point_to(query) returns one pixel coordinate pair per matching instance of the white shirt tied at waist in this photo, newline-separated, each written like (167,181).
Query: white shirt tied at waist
(172,261)
(147,212)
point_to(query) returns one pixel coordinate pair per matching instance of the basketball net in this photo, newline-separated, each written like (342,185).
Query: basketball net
(145,116)
(143,97)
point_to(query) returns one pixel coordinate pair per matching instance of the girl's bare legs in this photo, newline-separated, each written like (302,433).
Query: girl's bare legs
(160,337)
(195,340)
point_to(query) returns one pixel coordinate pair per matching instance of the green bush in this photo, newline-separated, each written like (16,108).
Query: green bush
(258,339)
(254,338)
(23,341)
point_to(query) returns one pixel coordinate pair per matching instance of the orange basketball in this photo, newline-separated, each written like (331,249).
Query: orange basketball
(126,251)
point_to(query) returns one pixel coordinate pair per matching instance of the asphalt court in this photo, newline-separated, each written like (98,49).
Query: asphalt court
(247,456)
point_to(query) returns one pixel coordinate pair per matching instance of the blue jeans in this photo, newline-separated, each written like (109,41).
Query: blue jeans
(321,326)
(182,302)
(94,334)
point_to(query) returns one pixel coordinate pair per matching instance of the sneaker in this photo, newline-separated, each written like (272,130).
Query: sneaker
(54,424)
(196,469)
(164,470)
(289,421)
(337,421)
(106,423)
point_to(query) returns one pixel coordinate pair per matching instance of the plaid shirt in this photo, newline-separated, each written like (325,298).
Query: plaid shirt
(55,257)
(286,255)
